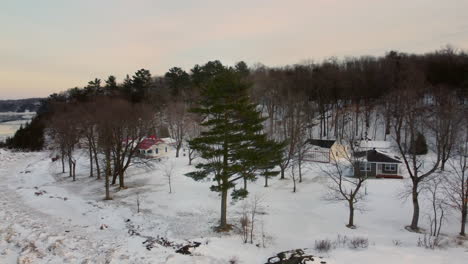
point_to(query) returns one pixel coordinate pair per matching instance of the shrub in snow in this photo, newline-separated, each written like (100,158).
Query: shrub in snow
(234,260)
(431,242)
(358,242)
(323,245)
(340,241)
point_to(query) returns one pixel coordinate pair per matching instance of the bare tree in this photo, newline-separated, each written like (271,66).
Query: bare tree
(104,123)
(294,176)
(292,131)
(138,202)
(87,113)
(410,117)
(193,131)
(255,207)
(457,183)
(303,149)
(168,172)
(245,222)
(248,218)
(66,133)
(434,187)
(178,120)
(131,123)
(449,119)
(347,181)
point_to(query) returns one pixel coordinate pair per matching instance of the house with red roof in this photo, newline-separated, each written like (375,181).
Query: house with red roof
(152,146)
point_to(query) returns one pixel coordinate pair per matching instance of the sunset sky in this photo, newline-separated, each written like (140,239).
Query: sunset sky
(48,46)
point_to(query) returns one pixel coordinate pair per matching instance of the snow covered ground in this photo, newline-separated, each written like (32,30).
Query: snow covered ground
(47,218)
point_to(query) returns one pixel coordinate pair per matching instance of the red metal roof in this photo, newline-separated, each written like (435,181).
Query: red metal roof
(149,141)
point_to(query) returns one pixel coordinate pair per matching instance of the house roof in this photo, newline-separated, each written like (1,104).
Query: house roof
(169,140)
(376,156)
(323,143)
(374,144)
(149,141)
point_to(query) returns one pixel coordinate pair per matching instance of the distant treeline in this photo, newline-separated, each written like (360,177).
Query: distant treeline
(20,105)
(333,83)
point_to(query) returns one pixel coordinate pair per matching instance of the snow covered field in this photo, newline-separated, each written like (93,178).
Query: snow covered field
(47,218)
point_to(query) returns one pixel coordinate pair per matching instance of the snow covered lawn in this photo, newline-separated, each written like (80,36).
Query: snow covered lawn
(47,218)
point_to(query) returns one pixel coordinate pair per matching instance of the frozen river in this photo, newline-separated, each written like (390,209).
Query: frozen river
(8,129)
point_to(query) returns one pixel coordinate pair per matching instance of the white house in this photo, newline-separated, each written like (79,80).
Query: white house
(322,150)
(155,147)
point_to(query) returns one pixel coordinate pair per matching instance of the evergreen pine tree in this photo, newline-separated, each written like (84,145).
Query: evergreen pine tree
(233,139)
(418,146)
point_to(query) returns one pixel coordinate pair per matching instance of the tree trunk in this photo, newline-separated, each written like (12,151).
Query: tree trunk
(300,168)
(177,150)
(190,156)
(74,167)
(282,168)
(343,123)
(223,220)
(70,171)
(96,159)
(108,172)
(63,163)
(114,176)
(90,161)
(294,184)
(387,125)
(266,181)
(351,214)
(414,196)
(116,170)
(98,169)
(357,119)
(327,124)
(463,219)
(245,183)
(121,179)
(321,126)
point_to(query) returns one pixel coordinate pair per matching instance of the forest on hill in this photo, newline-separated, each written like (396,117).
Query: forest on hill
(357,84)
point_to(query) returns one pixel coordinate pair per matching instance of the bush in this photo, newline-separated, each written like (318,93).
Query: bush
(323,245)
(341,241)
(234,260)
(419,146)
(358,242)
(429,242)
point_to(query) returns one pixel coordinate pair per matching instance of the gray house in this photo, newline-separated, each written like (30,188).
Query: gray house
(373,163)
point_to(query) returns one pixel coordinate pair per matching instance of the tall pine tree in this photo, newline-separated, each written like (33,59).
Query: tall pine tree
(233,138)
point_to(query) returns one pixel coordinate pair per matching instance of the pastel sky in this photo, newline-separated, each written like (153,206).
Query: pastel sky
(48,46)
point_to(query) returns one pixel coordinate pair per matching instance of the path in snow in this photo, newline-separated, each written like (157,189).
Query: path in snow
(29,235)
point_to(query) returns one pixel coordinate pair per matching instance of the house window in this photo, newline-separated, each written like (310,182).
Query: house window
(390,167)
(157,150)
(365,166)
(150,151)
(166,149)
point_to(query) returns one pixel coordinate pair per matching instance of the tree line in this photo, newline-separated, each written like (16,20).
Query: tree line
(247,121)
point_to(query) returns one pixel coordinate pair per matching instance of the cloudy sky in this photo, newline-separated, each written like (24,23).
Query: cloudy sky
(50,45)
